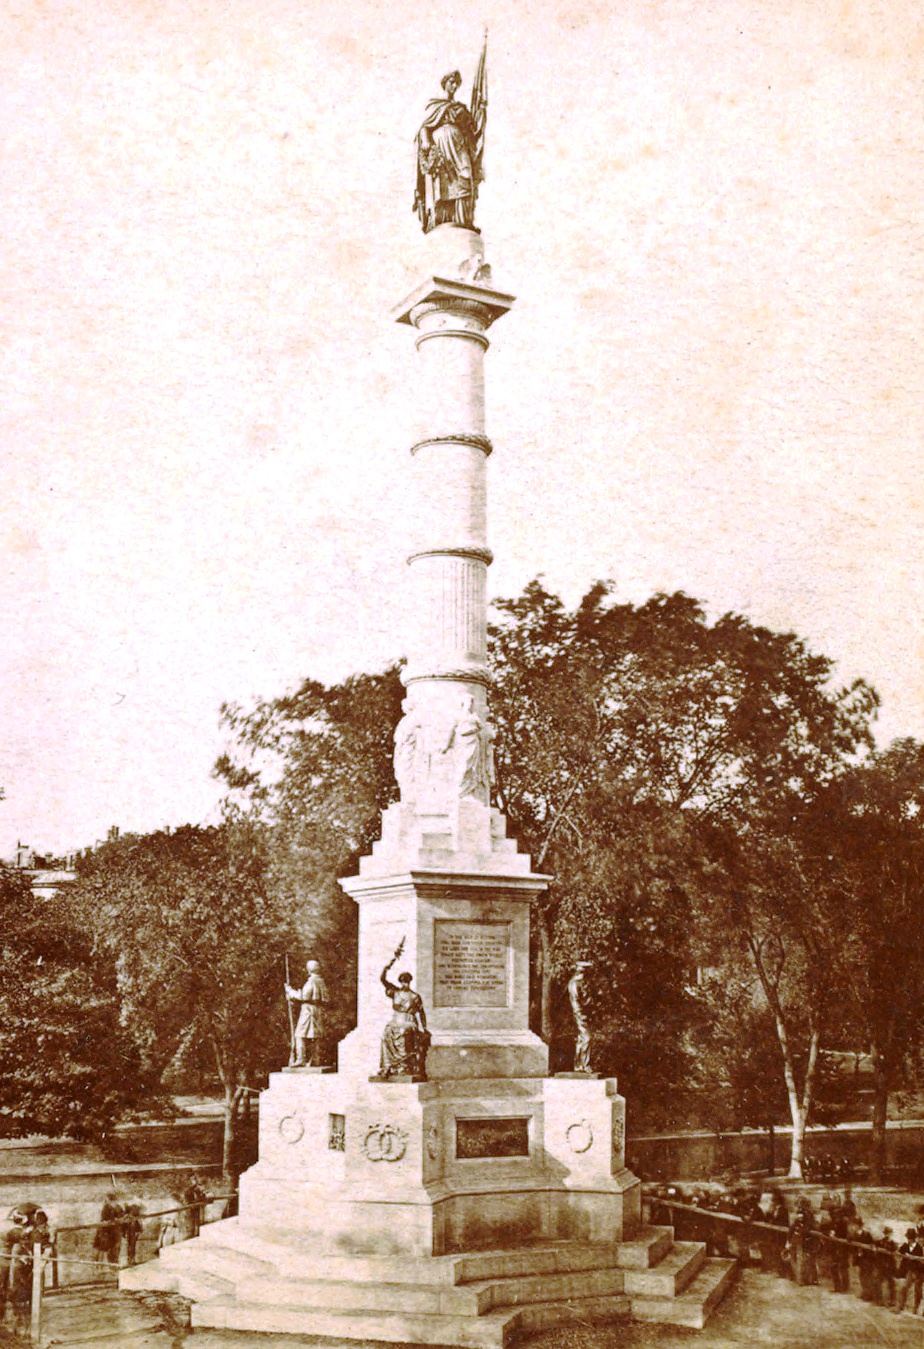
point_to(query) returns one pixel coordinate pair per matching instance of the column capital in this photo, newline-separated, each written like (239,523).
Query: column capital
(440,292)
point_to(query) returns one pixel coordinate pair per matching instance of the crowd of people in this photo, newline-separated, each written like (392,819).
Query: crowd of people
(830,1244)
(118,1222)
(121,1224)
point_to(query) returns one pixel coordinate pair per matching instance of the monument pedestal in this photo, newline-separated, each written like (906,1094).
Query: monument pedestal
(489,1200)
(435,1168)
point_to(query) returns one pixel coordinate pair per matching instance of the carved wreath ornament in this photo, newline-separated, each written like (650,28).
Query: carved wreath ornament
(291,1129)
(385,1143)
(580,1136)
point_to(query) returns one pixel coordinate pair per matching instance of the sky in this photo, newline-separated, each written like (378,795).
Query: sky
(712,216)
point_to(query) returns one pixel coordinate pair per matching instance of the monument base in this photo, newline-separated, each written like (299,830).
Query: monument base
(392,1168)
(442,1212)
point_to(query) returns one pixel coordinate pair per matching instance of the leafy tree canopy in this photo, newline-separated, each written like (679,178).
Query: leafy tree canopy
(67,1067)
(198,943)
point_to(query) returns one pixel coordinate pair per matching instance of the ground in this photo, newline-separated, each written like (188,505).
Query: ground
(762,1311)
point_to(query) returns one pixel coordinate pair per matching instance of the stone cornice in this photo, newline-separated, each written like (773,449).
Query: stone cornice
(438,288)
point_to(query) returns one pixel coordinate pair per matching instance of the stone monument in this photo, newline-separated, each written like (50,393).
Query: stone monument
(490,1196)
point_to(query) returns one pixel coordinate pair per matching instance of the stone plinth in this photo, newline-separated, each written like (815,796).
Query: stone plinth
(426,1169)
(466,936)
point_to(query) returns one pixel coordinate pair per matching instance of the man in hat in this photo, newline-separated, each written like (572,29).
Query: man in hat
(910,1270)
(310,1026)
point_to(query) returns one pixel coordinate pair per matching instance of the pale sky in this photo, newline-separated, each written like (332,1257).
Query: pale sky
(712,214)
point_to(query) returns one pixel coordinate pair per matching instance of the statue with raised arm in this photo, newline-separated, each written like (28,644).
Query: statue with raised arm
(405,1040)
(450,149)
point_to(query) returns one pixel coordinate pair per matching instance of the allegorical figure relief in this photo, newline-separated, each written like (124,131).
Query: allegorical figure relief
(310,1025)
(450,148)
(578,996)
(446,759)
(472,754)
(405,1040)
(410,756)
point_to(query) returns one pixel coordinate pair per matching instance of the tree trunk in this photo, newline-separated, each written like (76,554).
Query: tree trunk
(877,1158)
(231,1107)
(234,1093)
(798,1108)
(797,1155)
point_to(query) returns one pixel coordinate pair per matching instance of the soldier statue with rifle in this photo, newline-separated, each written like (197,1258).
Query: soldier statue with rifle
(307,1032)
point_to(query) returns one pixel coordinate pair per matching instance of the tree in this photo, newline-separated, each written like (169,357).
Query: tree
(765,907)
(867,837)
(198,945)
(314,768)
(66,1065)
(652,713)
(737,1051)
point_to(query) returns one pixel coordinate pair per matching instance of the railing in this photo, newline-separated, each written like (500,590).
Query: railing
(729,1234)
(94,1253)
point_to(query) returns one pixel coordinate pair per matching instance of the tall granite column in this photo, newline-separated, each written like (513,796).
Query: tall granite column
(442,844)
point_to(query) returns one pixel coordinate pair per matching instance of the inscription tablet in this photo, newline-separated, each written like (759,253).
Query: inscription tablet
(471,964)
(480,1138)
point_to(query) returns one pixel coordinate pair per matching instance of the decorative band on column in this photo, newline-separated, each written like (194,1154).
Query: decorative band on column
(453,332)
(462,438)
(463,674)
(475,552)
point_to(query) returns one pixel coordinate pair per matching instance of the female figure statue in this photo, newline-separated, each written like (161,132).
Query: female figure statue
(405,1040)
(450,147)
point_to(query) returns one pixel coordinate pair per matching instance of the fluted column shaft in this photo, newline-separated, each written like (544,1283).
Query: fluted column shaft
(443,745)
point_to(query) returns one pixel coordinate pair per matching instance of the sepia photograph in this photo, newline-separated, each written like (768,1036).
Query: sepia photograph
(462,662)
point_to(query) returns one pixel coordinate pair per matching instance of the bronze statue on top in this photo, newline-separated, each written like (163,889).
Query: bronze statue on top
(450,149)
(405,1040)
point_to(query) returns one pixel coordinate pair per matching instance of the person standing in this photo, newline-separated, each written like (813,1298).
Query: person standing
(867,1262)
(840,1253)
(888,1267)
(12,1239)
(132,1227)
(196,1196)
(108,1238)
(910,1271)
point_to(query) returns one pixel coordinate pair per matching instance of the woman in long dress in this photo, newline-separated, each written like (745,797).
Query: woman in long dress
(450,144)
(405,1039)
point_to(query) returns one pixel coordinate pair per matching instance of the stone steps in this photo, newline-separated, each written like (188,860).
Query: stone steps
(469,1299)
(235,1264)
(286,1257)
(242,1278)
(189,1280)
(671,1275)
(694,1306)
(494,1330)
